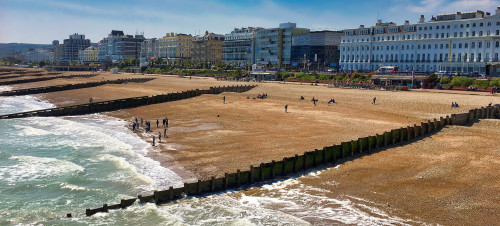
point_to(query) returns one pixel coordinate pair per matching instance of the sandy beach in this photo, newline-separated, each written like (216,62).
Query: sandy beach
(446,178)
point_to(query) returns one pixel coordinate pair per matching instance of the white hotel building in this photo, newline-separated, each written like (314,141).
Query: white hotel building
(458,42)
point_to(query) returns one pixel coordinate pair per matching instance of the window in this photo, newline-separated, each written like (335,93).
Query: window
(461,34)
(498,32)
(442,35)
(466,45)
(472,45)
(454,46)
(473,24)
(429,46)
(480,44)
(437,35)
(461,25)
(455,34)
(488,44)
(448,26)
(480,24)
(497,44)
(447,46)
(425,28)
(467,34)
(460,45)
(435,46)
(423,46)
(467,25)
(473,33)
(488,33)
(442,46)
(418,46)
(480,33)
(425,36)
(437,27)
(489,24)
(420,28)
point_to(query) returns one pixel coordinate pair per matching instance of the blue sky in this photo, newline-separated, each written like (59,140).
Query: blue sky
(41,21)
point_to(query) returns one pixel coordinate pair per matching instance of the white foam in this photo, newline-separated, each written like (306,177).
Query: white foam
(29,168)
(15,104)
(5,88)
(31,131)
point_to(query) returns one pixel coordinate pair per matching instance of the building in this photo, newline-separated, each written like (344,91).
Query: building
(57,49)
(71,46)
(149,49)
(118,46)
(39,54)
(175,46)
(273,47)
(457,42)
(89,54)
(239,45)
(320,49)
(207,48)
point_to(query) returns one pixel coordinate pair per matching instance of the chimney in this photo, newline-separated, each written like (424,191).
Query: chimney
(458,16)
(488,14)
(361,26)
(407,22)
(422,19)
(497,11)
(479,14)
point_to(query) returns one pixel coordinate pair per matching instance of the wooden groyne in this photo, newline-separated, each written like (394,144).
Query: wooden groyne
(49,89)
(319,158)
(113,105)
(20,81)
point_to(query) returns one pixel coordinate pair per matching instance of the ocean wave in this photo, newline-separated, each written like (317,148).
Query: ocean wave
(31,131)
(30,168)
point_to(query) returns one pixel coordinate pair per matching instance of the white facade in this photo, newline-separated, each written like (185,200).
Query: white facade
(90,54)
(459,42)
(39,54)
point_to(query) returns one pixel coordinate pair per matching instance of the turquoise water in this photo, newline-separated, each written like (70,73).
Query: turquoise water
(53,166)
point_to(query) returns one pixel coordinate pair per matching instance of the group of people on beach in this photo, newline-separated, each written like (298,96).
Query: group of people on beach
(454,104)
(262,96)
(147,128)
(494,90)
(331,101)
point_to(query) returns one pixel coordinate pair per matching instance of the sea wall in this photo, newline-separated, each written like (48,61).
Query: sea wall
(324,157)
(113,105)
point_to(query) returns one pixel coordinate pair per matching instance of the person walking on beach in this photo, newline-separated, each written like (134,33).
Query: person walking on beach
(166,121)
(133,126)
(159,137)
(157,123)
(224,99)
(153,141)
(91,100)
(165,133)
(286,108)
(163,122)
(141,121)
(374,100)
(314,101)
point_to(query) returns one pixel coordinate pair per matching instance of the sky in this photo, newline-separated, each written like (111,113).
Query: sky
(41,21)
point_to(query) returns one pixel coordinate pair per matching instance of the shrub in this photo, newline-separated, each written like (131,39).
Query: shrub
(481,83)
(461,81)
(445,80)
(495,82)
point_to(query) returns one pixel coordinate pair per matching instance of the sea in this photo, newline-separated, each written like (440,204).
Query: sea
(51,166)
